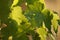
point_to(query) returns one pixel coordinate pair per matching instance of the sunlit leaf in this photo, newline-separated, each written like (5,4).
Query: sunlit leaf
(42,33)
(17,15)
(55,22)
(15,2)
(42,1)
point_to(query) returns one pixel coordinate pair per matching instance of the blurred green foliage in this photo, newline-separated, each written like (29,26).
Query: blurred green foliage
(34,20)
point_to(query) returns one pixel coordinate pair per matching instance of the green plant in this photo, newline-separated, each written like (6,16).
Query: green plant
(23,18)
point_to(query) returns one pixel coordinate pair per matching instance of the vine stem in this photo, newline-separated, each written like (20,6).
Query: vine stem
(30,37)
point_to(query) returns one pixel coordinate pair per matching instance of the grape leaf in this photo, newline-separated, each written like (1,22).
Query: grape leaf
(31,1)
(36,6)
(35,18)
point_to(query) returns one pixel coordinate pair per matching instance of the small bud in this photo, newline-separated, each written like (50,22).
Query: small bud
(4,25)
(0,28)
